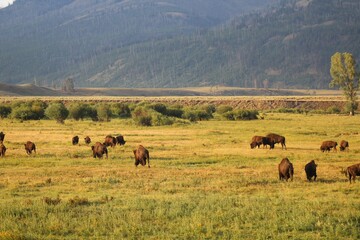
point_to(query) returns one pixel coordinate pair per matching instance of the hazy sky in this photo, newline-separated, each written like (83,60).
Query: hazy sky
(5,3)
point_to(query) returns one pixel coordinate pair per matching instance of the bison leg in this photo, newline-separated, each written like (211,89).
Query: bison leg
(137,162)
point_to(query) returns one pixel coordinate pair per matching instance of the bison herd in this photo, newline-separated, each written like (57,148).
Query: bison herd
(141,154)
(286,169)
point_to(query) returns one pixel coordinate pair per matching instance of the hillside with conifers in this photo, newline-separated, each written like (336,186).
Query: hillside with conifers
(287,45)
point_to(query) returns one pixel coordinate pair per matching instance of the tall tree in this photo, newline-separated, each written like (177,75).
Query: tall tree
(344,74)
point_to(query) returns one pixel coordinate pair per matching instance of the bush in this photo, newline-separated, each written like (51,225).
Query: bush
(28,110)
(241,115)
(196,115)
(246,114)
(77,111)
(91,112)
(103,112)
(142,116)
(57,111)
(223,109)
(333,110)
(120,110)
(4,111)
(161,120)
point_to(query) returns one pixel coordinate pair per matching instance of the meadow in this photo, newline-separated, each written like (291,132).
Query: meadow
(204,182)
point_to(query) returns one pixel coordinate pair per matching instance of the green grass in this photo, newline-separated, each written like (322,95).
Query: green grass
(204,182)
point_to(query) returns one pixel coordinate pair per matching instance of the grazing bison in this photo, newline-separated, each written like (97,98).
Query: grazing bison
(141,154)
(344,145)
(286,169)
(2,136)
(110,141)
(277,139)
(353,171)
(75,140)
(120,140)
(327,145)
(310,170)
(256,141)
(87,140)
(2,150)
(99,150)
(29,147)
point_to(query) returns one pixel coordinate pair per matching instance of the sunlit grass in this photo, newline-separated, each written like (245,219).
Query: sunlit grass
(204,181)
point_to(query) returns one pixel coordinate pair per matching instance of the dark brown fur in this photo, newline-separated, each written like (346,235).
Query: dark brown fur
(256,141)
(286,169)
(87,140)
(99,150)
(2,149)
(310,170)
(353,171)
(344,145)
(277,139)
(141,154)
(29,147)
(75,140)
(2,136)
(120,140)
(110,141)
(327,145)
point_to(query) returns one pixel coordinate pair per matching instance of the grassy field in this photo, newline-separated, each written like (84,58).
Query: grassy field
(204,182)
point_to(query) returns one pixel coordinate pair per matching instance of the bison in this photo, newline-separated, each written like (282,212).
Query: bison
(327,145)
(75,140)
(29,147)
(2,136)
(286,169)
(310,170)
(256,141)
(277,139)
(344,145)
(141,154)
(2,149)
(110,141)
(87,140)
(99,150)
(353,171)
(120,140)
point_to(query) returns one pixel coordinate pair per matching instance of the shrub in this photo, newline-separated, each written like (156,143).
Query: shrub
(22,112)
(160,108)
(223,109)
(142,116)
(174,112)
(161,120)
(246,114)
(4,111)
(121,110)
(333,110)
(91,112)
(77,111)
(57,111)
(241,115)
(103,112)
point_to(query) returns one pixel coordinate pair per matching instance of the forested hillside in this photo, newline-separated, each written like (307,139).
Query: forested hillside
(148,43)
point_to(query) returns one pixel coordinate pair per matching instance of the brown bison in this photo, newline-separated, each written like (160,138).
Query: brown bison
(327,145)
(256,141)
(29,147)
(277,139)
(141,154)
(75,140)
(2,136)
(310,170)
(344,145)
(353,171)
(99,150)
(286,169)
(120,140)
(110,141)
(87,140)
(2,149)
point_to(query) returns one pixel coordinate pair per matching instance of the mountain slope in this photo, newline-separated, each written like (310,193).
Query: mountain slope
(48,40)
